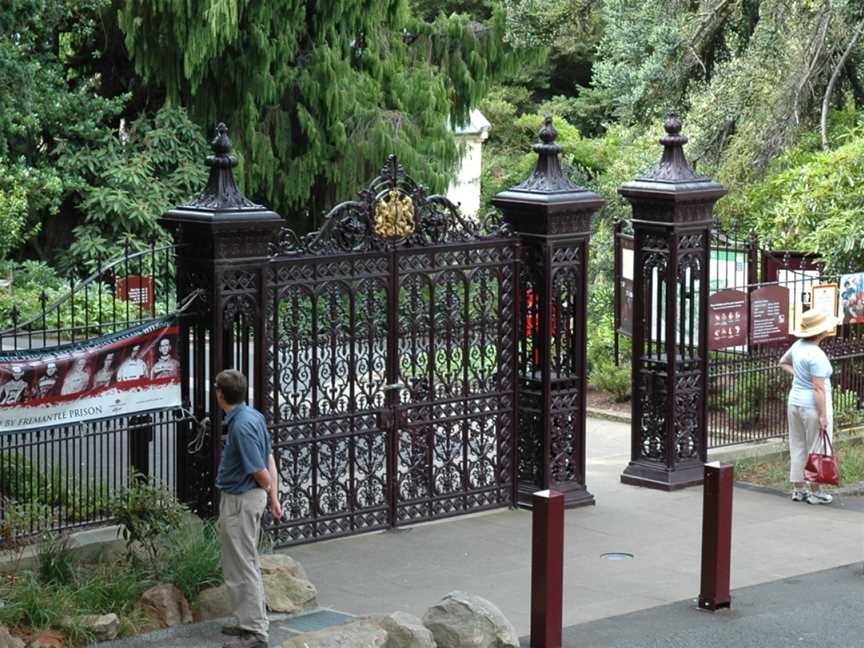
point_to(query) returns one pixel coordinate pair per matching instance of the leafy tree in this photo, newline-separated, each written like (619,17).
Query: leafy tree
(67,89)
(317,94)
(811,199)
(13,217)
(126,180)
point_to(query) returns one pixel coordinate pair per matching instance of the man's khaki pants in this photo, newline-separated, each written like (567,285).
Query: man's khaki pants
(239,525)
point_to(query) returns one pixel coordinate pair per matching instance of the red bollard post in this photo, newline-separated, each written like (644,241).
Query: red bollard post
(547,568)
(716,536)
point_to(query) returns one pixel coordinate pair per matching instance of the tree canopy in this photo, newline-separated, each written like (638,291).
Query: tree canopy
(318,94)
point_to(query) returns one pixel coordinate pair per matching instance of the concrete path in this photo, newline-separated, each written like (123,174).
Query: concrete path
(823,609)
(777,545)
(489,555)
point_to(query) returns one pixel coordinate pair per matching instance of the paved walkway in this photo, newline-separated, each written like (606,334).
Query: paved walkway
(824,609)
(489,555)
(774,540)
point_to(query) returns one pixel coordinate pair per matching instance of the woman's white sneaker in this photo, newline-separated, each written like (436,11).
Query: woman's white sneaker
(819,498)
(799,496)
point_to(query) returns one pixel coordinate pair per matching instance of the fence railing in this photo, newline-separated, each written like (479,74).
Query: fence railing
(746,387)
(66,477)
(123,292)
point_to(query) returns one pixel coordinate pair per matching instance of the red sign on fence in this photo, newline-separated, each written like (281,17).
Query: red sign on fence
(769,314)
(136,289)
(727,319)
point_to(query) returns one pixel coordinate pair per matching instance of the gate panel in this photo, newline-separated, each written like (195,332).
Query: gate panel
(456,327)
(329,336)
(389,380)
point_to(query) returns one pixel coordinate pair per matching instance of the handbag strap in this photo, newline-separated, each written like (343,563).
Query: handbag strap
(826,441)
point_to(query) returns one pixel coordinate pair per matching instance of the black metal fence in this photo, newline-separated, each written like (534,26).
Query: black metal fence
(65,477)
(746,387)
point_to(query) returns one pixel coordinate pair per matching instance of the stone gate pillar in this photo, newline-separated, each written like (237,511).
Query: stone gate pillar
(223,240)
(672,215)
(552,219)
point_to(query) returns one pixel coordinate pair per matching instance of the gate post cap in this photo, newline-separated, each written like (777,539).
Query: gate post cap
(673,179)
(221,199)
(548,194)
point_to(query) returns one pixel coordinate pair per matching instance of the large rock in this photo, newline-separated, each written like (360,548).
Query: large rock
(462,620)
(363,633)
(281,564)
(103,627)
(8,641)
(164,606)
(49,639)
(288,594)
(213,603)
(405,631)
(286,586)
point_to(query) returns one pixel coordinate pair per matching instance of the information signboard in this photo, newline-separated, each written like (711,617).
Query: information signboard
(769,314)
(727,319)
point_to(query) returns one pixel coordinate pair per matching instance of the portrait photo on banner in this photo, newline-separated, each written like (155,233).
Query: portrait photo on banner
(852,298)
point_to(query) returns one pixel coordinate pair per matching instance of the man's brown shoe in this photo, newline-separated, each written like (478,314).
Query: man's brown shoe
(233,631)
(249,641)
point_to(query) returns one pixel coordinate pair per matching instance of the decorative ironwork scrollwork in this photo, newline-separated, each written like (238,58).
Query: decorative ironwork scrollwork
(392,210)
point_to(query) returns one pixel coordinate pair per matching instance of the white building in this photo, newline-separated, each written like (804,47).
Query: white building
(464,190)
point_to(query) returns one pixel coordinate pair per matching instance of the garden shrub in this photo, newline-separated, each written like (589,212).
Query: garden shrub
(147,512)
(847,409)
(21,480)
(616,380)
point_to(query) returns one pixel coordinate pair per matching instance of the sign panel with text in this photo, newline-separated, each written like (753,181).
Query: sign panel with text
(769,314)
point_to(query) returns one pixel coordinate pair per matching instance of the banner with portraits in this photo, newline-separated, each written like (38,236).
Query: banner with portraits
(124,373)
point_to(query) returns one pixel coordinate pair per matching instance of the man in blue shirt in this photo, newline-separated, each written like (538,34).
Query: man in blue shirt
(247,479)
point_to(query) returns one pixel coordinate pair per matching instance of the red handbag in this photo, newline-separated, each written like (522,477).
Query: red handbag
(822,466)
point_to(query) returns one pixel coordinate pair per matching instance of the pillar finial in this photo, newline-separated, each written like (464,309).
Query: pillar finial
(222,192)
(548,177)
(673,166)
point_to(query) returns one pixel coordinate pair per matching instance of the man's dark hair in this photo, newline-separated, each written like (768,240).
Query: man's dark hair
(232,384)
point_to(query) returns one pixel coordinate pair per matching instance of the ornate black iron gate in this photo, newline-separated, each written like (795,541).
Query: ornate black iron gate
(382,348)
(389,373)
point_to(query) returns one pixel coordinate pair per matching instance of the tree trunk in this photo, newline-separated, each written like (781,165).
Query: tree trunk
(826,100)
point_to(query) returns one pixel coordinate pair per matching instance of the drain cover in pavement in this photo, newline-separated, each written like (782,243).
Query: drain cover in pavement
(616,555)
(317,620)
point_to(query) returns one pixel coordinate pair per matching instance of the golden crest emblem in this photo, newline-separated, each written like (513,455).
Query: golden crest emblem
(394,215)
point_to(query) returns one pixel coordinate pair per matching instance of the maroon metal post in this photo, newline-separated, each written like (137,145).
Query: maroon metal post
(716,536)
(547,568)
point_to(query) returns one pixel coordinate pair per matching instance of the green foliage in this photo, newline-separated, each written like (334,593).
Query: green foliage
(317,95)
(847,408)
(23,480)
(56,562)
(127,180)
(105,588)
(195,561)
(633,63)
(812,200)
(147,512)
(29,602)
(89,174)
(22,520)
(13,218)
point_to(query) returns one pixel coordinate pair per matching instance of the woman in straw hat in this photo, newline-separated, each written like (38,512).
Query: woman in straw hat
(809,408)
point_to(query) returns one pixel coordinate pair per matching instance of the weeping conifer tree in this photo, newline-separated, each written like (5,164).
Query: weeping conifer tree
(317,94)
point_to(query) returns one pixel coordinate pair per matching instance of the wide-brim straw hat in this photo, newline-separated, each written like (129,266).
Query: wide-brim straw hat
(814,322)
